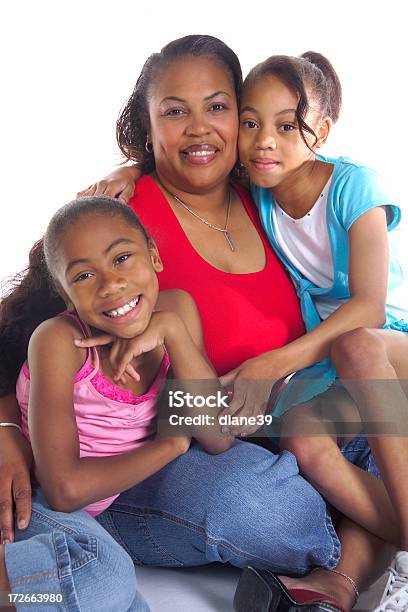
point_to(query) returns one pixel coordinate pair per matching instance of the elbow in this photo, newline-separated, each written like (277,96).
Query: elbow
(372,313)
(62,496)
(217,446)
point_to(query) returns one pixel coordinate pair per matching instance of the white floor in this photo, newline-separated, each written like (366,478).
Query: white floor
(209,589)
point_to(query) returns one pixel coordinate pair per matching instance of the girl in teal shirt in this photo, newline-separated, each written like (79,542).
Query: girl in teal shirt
(328,220)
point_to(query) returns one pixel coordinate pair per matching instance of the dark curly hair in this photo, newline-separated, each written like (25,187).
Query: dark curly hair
(133,123)
(33,296)
(312,74)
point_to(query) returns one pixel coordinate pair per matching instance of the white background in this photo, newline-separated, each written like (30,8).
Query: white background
(67,68)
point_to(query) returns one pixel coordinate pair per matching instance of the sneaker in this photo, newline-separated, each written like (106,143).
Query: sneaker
(395,595)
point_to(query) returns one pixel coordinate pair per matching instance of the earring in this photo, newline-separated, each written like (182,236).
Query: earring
(148,146)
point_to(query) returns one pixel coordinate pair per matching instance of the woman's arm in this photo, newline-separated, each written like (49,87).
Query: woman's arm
(68,481)
(15,464)
(118,184)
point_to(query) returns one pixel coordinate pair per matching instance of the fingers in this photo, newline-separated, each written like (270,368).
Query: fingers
(6,521)
(127,193)
(99,188)
(93,341)
(114,188)
(22,499)
(114,352)
(89,191)
(20,492)
(132,372)
(236,405)
(246,412)
(124,362)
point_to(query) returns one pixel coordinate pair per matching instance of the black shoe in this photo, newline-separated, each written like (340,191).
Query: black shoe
(262,591)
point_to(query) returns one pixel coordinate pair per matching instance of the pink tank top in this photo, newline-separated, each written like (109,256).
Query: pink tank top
(110,420)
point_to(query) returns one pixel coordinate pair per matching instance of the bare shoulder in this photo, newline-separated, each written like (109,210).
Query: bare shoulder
(62,327)
(181,302)
(177,301)
(56,336)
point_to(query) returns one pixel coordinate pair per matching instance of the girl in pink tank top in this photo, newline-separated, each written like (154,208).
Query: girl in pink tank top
(91,416)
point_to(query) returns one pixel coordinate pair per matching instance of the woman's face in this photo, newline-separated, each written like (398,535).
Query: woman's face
(193,124)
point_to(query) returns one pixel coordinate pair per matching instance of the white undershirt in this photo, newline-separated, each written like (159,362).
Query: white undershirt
(306,244)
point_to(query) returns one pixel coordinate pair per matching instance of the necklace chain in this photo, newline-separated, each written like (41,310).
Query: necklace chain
(224,229)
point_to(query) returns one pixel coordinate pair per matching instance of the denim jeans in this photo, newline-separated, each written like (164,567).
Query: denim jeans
(73,556)
(358,452)
(244,506)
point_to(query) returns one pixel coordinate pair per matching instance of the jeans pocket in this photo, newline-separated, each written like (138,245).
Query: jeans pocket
(144,534)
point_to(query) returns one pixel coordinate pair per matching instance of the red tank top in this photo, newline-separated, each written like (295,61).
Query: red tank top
(242,315)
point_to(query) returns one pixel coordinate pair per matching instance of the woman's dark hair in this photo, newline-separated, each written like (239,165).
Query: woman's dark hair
(33,297)
(133,124)
(310,76)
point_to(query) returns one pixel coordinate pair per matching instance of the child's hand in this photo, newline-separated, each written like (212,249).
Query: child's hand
(118,184)
(124,350)
(253,382)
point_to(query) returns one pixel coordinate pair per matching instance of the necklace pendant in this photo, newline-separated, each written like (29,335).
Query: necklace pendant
(229,240)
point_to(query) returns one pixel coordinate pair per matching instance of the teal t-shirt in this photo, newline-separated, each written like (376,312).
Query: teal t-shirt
(354,190)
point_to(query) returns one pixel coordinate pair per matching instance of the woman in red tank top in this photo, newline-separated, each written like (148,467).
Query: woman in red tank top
(249,506)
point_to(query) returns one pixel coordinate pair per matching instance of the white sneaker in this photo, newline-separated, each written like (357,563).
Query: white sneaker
(395,595)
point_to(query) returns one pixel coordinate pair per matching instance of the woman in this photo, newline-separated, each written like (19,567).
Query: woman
(246,506)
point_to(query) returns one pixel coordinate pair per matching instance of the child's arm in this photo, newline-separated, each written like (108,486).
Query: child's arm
(177,325)
(368,277)
(120,183)
(71,482)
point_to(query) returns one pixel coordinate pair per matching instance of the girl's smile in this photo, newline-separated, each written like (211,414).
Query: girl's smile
(126,311)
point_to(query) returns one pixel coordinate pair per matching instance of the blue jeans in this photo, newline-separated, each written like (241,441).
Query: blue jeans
(245,506)
(73,556)
(358,452)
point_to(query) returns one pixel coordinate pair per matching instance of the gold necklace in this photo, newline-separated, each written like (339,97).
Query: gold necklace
(224,229)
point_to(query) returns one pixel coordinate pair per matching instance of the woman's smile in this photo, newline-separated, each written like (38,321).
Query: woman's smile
(200,153)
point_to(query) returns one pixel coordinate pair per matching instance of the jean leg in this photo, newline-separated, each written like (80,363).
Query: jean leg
(69,554)
(244,506)
(358,452)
